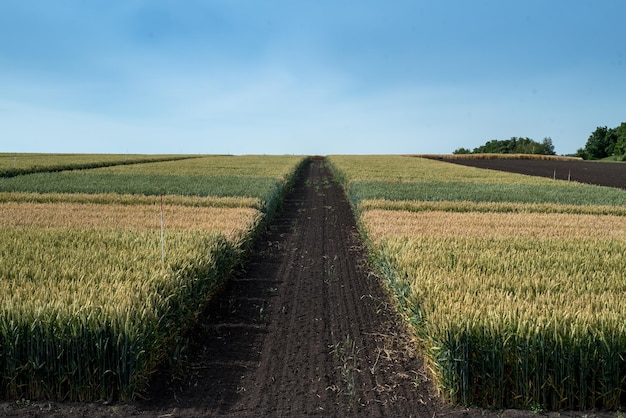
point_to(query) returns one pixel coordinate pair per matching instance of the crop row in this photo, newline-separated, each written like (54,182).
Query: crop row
(231,222)
(516,301)
(133,199)
(264,188)
(97,290)
(13,164)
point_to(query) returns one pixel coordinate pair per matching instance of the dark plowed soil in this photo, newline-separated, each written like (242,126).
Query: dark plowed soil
(304,329)
(591,172)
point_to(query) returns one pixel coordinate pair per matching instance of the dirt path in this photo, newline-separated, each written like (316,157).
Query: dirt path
(311,332)
(304,329)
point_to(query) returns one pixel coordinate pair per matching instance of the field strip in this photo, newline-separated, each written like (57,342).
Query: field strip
(384,223)
(234,223)
(132,199)
(488,207)
(14,164)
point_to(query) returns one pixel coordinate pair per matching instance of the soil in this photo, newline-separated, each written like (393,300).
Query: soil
(591,172)
(305,328)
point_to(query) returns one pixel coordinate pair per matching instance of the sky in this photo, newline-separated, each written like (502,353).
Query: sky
(307,77)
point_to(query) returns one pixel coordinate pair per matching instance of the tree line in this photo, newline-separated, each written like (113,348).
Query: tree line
(514,145)
(602,143)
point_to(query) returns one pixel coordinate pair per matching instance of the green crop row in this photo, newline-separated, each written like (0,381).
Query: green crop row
(281,167)
(558,192)
(13,164)
(267,189)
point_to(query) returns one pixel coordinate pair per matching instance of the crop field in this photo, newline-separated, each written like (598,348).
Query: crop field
(216,176)
(513,285)
(99,280)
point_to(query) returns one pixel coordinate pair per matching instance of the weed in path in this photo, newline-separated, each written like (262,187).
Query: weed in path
(345,352)
(331,274)
(262,312)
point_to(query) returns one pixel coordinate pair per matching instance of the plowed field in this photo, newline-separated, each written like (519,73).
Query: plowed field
(590,172)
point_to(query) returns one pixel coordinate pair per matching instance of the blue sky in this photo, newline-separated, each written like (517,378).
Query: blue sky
(307,77)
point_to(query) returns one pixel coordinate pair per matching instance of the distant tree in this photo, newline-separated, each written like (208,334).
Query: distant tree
(548,147)
(461,151)
(516,145)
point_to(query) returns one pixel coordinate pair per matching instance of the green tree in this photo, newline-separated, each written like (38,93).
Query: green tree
(600,144)
(547,146)
(620,143)
(461,151)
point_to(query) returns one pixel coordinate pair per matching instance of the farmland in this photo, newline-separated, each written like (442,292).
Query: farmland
(486,286)
(102,277)
(511,283)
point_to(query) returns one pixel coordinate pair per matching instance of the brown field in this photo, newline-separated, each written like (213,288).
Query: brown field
(590,172)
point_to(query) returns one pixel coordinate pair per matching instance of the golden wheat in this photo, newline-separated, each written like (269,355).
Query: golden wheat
(88,313)
(514,309)
(489,207)
(385,223)
(132,199)
(234,223)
